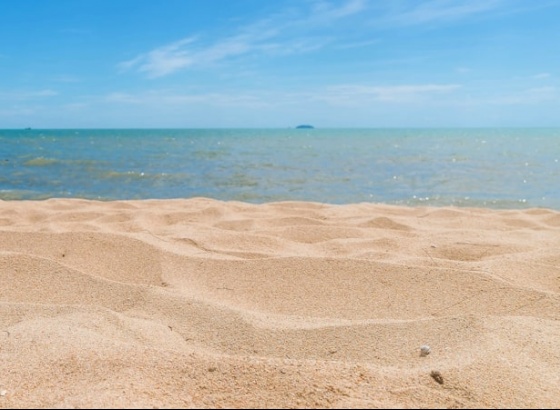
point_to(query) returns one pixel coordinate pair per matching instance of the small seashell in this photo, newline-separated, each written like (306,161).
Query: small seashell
(425,350)
(3,392)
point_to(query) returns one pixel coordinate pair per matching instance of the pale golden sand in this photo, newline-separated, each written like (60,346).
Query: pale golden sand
(202,303)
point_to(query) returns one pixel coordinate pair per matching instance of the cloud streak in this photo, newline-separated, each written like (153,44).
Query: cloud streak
(27,95)
(334,95)
(440,11)
(266,36)
(300,31)
(162,60)
(396,93)
(326,12)
(165,98)
(529,96)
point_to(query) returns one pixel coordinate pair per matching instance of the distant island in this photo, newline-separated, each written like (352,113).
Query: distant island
(305,126)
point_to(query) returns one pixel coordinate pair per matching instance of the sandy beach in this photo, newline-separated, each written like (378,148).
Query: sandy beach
(201,303)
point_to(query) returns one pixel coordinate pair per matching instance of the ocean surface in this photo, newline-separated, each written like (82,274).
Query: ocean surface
(494,168)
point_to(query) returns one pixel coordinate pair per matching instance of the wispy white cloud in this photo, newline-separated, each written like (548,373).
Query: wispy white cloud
(162,60)
(543,93)
(173,57)
(529,96)
(359,44)
(334,95)
(439,10)
(27,95)
(166,98)
(541,76)
(327,11)
(395,93)
(126,98)
(270,35)
(509,97)
(308,28)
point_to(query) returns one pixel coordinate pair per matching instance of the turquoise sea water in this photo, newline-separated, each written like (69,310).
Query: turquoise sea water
(496,168)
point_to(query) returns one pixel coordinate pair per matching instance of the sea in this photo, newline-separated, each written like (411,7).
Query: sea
(500,168)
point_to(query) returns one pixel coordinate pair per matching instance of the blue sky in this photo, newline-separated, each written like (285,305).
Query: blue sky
(260,63)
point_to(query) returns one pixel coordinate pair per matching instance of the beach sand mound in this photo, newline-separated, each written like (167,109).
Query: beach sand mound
(200,303)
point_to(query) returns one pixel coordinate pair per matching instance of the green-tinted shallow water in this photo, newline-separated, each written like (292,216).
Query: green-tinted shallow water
(496,168)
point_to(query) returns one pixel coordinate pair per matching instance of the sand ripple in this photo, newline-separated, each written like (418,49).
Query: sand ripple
(201,303)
